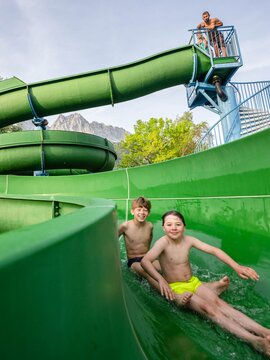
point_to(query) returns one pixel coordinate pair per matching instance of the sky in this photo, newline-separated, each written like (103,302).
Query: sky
(46,39)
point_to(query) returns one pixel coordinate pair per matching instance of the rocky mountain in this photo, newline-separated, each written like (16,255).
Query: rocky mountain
(27,125)
(76,122)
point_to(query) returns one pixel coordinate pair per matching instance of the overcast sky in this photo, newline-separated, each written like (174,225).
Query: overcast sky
(44,39)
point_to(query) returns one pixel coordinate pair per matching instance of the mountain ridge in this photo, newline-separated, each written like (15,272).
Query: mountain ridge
(76,122)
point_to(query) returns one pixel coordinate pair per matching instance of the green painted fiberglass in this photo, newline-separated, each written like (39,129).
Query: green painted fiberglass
(27,151)
(102,87)
(65,290)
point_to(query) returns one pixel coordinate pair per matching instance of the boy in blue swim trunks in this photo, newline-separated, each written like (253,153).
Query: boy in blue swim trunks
(138,234)
(178,284)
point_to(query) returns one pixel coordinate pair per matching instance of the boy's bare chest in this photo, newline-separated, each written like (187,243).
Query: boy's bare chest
(142,235)
(178,253)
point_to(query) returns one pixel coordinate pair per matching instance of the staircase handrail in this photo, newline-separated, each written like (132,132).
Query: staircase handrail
(198,146)
(238,86)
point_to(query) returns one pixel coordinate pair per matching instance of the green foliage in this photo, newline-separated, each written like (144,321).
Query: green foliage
(159,140)
(10,128)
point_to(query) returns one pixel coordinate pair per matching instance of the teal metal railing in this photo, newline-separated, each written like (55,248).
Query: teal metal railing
(217,44)
(221,42)
(253,110)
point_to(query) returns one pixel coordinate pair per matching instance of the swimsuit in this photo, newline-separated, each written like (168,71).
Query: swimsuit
(190,285)
(133,260)
(216,38)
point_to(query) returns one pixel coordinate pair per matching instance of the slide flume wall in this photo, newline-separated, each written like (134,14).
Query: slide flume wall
(60,300)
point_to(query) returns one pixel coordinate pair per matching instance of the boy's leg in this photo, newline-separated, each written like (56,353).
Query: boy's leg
(224,51)
(219,286)
(210,310)
(216,286)
(233,314)
(137,268)
(183,299)
(243,319)
(222,45)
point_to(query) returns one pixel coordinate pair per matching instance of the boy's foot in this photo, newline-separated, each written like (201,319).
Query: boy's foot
(183,299)
(219,286)
(262,345)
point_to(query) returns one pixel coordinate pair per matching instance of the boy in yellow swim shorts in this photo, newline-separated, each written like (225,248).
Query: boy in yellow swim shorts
(177,283)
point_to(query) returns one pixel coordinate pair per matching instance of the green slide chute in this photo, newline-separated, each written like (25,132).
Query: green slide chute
(26,151)
(102,87)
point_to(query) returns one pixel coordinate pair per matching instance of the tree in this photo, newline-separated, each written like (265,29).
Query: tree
(159,140)
(11,128)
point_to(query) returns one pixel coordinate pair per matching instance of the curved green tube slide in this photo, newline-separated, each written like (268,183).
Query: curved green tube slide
(26,151)
(65,289)
(102,87)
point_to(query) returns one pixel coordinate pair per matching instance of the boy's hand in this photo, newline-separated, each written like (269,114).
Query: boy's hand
(165,290)
(247,273)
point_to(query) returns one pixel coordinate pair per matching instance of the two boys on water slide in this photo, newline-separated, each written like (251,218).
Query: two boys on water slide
(167,268)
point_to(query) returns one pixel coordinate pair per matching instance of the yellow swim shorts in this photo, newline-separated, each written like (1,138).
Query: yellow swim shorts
(190,285)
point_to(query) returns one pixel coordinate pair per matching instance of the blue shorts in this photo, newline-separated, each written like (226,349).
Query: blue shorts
(133,260)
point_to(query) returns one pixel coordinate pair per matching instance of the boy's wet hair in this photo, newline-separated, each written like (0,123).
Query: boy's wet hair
(141,202)
(175,213)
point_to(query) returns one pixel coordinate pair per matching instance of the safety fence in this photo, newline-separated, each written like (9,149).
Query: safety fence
(253,110)
(220,42)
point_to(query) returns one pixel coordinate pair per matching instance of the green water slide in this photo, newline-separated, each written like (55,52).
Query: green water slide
(102,87)
(23,152)
(65,289)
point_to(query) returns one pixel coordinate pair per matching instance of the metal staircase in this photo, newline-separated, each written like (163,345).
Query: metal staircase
(253,120)
(244,108)
(252,114)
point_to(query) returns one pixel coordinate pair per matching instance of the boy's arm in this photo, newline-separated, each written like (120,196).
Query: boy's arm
(242,271)
(122,228)
(151,235)
(147,265)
